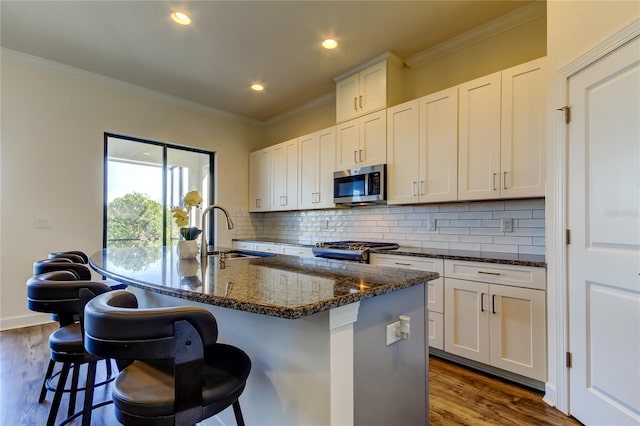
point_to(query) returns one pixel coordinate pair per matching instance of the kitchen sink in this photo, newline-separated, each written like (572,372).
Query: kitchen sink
(241,254)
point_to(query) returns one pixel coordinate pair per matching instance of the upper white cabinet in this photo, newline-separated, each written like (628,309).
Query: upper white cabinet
(362,141)
(369,88)
(316,164)
(260,180)
(284,172)
(502,127)
(422,149)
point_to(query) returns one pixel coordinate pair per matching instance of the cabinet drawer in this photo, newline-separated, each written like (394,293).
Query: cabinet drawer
(269,248)
(297,251)
(513,275)
(408,262)
(435,328)
(244,245)
(435,295)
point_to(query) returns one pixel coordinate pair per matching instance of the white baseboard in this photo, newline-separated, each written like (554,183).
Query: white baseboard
(24,321)
(550,394)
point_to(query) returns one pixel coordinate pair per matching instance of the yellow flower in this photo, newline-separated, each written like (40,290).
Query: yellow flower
(180,216)
(192,199)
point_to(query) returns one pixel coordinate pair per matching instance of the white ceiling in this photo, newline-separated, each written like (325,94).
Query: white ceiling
(230,44)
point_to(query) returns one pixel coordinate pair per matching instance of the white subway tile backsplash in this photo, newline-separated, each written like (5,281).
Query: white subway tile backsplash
(459,226)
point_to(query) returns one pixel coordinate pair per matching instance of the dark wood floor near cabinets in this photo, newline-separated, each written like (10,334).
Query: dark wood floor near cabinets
(458,396)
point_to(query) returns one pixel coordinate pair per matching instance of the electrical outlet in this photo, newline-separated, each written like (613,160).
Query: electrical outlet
(431,224)
(42,222)
(392,336)
(507,224)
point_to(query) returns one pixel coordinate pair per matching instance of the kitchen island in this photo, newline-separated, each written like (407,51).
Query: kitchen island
(315,330)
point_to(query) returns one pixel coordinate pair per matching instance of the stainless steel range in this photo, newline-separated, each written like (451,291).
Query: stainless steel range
(350,250)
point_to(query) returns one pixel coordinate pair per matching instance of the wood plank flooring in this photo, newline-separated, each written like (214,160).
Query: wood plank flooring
(457,395)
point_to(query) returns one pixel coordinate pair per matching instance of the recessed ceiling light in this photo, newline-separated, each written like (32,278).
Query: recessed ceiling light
(257,87)
(329,43)
(181,18)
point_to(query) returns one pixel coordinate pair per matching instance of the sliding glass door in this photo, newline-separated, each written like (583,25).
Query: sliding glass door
(143,180)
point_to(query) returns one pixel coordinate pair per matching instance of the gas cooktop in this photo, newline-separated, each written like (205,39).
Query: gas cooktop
(350,250)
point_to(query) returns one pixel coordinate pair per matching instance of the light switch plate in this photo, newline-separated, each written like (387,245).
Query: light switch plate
(431,224)
(507,224)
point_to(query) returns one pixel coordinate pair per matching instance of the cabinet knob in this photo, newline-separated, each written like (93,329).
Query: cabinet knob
(355,104)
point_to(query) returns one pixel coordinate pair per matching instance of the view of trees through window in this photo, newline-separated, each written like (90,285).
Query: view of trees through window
(143,180)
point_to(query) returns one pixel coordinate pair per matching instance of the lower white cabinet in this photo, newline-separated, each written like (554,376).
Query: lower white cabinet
(496,324)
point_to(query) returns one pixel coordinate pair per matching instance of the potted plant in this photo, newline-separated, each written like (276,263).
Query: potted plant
(187,246)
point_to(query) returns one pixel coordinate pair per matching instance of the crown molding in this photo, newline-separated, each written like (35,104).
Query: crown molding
(504,23)
(123,86)
(387,56)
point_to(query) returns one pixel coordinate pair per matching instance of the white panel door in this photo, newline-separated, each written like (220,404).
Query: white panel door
(327,159)
(373,139)
(604,254)
(347,144)
(403,154)
(308,150)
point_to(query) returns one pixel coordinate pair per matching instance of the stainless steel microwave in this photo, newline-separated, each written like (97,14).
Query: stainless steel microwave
(365,185)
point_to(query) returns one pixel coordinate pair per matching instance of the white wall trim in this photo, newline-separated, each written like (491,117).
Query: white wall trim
(22,321)
(123,86)
(557,213)
(490,29)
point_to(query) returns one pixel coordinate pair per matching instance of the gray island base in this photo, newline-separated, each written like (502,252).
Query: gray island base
(315,330)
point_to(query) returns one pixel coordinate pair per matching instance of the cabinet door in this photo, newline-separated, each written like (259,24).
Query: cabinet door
(309,170)
(373,88)
(327,157)
(403,153)
(373,139)
(347,96)
(479,138)
(435,330)
(260,181)
(347,145)
(466,319)
(284,194)
(518,331)
(524,103)
(438,150)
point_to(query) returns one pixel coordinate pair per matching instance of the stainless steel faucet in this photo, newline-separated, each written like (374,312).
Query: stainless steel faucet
(204,249)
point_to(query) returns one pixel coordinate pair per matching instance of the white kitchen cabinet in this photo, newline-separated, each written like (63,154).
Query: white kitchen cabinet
(362,141)
(284,171)
(260,180)
(369,89)
(274,248)
(500,325)
(316,164)
(502,128)
(435,289)
(244,245)
(422,149)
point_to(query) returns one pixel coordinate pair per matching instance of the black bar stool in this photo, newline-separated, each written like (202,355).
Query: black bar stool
(172,370)
(61,293)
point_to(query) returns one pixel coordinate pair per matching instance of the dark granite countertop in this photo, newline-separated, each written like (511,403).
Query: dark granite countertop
(281,286)
(468,255)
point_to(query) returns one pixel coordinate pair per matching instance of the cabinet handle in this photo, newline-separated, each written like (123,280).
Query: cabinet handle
(493,303)
(402,264)
(355,104)
(481,302)
(504,180)
(489,273)
(360,101)
(421,187)
(258,203)
(414,188)
(494,181)
(284,198)
(355,156)
(360,155)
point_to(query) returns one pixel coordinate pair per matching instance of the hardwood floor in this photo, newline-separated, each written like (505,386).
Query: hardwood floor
(457,395)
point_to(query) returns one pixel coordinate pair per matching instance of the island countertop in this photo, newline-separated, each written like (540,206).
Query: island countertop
(280,286)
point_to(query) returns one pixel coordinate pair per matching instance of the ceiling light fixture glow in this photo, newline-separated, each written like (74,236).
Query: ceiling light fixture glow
(329,43)
(257,87)
(181,18)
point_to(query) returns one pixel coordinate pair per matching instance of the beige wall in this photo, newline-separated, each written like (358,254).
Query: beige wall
(53,122)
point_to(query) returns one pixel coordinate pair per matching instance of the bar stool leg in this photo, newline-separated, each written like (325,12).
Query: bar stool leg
(55,405)
(74,389)
(238,413)
(88,393)
(47,376)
